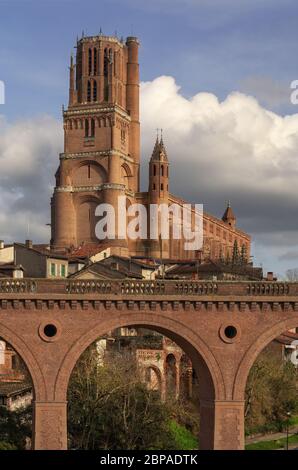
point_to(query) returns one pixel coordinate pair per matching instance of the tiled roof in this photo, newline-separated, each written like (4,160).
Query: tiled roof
(44,251)
(86,251)
(287,338)
(14,388)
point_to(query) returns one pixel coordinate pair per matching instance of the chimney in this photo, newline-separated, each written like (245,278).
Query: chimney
(1,244)
(270,276)
(29,244)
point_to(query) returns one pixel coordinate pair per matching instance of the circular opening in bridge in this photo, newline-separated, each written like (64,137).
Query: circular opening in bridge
(231,332)
(50,330)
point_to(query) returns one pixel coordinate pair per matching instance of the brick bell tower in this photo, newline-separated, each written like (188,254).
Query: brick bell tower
(101,157)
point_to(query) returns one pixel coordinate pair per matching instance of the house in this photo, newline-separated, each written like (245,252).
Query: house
(11,270)
(14,395)
(214,270)
(132,267)
(28,260)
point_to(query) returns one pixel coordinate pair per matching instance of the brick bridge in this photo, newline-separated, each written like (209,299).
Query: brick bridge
(222,327)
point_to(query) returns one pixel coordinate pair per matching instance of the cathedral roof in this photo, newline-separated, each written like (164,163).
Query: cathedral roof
(159,152)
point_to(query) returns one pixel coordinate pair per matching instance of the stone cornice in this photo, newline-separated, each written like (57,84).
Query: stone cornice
(97,153)
(85,108)
(149,295)
(101,38)
(80,189)
(167,303)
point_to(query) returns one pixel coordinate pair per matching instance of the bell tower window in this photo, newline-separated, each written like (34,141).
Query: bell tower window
(92,128)
(95,61)
(106,63)
(89,91)
(106,74)
(94,91)
(86,128)
(89,61)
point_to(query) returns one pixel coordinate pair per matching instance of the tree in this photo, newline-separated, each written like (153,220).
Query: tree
(15,427)
(110,408)
(235,255)
(270,393)
(243,255)
(292,274)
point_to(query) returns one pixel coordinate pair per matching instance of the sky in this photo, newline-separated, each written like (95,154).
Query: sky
(216,76)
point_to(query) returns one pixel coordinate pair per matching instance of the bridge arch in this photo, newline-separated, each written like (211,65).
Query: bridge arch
(28,358)
(255,349)
(192,344)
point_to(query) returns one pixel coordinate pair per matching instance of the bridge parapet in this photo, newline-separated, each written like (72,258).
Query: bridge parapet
(140,287)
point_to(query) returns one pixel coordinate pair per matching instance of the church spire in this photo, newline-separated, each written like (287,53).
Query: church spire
(159,151)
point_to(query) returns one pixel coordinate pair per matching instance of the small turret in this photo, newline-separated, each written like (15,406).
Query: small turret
(229,217)
(72,92)
(159,171)
(159,193)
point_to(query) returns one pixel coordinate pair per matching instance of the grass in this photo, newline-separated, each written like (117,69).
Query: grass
(184,439)
(272,445)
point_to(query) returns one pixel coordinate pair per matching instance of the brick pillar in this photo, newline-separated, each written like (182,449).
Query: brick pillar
(50,426)
(222,425)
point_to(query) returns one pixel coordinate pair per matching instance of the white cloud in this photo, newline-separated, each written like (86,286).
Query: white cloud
(239,144)
(28,160)
(234,149)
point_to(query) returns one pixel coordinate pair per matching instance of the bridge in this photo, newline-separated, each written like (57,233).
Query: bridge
(221,326)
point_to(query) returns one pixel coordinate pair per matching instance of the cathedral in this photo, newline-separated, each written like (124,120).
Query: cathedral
(101,161)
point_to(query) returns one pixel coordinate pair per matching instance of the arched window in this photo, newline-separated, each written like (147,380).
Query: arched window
(95,61)
(86,128)
(106,74)
(92,127)
(88,91)
(89,61)
(154,170)
(161,187)
(154,187)
(94,91)
(106,63)
(161,170)
(116,64)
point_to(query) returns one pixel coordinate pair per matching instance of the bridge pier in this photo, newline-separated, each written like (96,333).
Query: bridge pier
(221,425)
(49,426)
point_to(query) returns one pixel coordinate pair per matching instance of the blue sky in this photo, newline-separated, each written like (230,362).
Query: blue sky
(214,46)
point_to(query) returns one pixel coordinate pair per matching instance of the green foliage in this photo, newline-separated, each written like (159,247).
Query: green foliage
(110,408)
(235,255)
(15,427)
(184,439)
(270,394)
(7,446)
(273,444)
